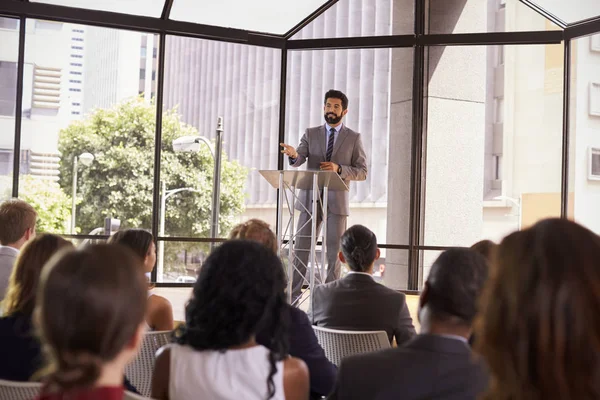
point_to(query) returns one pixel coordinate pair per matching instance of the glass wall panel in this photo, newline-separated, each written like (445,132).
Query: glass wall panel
(571,11)
(471,16)
(9,56)
(205,80)
(378,85)
(494,141)
(584,167)
(271,16)
(352,18)
(88,126)
(181,261)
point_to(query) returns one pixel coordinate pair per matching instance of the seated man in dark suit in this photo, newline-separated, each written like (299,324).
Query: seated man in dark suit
(357,302)
(437,363)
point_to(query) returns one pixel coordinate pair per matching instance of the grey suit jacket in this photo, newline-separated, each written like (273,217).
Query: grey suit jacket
(427,367)
(348,152)
(358,303)
(7,259)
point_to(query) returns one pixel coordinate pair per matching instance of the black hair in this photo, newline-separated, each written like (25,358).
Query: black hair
(336,94)
(454,284)
(239,292)
(138,240)
(359,246)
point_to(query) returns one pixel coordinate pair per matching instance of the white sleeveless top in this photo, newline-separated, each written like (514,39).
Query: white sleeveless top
(231,375)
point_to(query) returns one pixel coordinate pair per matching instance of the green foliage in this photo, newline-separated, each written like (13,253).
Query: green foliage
(51,203)
(119,181)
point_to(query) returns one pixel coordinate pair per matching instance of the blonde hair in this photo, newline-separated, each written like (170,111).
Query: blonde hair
(257,230)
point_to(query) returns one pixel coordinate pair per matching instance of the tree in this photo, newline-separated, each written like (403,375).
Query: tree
(119,181)
(46,197)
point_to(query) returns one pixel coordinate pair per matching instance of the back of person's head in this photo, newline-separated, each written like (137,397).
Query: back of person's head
(89,311)
(486,248)
(453,287)
(257,230)
(138,240)
(359,248)
(239,292)
(25,276)
(337,94)
(17,219)
(540,321)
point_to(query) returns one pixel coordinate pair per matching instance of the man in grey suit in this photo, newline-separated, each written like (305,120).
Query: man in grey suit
(17,226)
(329,147)
(438,363)
(356,302)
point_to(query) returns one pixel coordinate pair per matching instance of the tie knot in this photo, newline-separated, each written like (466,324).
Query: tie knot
(332,130)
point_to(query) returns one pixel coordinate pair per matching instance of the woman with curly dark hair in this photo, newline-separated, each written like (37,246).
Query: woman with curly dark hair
(539,328)
(239,292)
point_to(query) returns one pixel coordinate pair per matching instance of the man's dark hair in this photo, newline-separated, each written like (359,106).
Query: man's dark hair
(336,94)
(359,246)
(454,284)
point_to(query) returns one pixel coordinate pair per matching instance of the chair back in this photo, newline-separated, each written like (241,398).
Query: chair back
(139,371)
(339,344)
(19,390)
(134,396)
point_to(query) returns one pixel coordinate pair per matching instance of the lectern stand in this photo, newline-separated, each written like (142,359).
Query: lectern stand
(317,182)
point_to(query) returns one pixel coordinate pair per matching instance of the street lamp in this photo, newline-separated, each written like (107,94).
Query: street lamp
(192,144)
(165,194)
(86,160)
(515,202)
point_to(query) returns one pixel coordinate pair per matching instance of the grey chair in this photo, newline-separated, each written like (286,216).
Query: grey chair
(339,344)
(19,390)
(139,371)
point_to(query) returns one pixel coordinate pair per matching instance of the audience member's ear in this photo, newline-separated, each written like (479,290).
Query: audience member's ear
(341,257)
(424,297)
(30,234)
(378,254)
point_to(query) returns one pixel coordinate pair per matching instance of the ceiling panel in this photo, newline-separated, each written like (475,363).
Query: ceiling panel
(571,11)
(268,16)
(147,8)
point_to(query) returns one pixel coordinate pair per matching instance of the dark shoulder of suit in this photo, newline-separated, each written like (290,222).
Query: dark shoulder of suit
(20,348)
(425,367)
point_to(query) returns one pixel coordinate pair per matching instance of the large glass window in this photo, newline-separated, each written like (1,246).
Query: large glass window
(206,80)
(150,8)
(494,141)
(584,168)
(9,55)
(86,143)
(377,83)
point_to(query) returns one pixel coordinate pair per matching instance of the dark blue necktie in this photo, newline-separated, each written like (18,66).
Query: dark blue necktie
(330,144)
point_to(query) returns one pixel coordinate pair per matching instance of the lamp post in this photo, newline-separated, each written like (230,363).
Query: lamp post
(86,159)
(516,203)
(165,194)
(192,144)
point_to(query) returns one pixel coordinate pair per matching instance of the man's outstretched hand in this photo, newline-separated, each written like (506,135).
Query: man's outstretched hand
(288,150)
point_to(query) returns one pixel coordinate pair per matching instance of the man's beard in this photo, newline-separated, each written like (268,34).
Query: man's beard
(331,118)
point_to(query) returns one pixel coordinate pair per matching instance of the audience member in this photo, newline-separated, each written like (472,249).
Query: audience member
(19,346)
(90,316)
(240,290)
(486,248)
(302,338)
(17,226)
(348,303)
(540,328)
(159,315)
(437,363)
